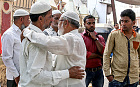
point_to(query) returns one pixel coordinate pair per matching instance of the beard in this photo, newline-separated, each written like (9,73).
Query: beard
(61,30)
(23,26)
(45,26)
(91,29)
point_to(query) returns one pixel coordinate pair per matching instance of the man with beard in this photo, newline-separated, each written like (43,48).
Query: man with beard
(36,61)
(11,45)
(123,43)
(52,31)
(95,45)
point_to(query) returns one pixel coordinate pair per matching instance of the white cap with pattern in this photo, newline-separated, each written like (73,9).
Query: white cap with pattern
(40,7)
(56,12)
(20,12)
(71,15)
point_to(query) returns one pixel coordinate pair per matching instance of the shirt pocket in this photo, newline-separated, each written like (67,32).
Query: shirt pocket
(17,44)
(135,44)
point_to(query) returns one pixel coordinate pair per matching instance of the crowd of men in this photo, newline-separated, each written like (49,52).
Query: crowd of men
(48,51)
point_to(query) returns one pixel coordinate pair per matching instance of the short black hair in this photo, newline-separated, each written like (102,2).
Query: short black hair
(130,13)
(88,17)
(34,17)
(115,24)
(17,17)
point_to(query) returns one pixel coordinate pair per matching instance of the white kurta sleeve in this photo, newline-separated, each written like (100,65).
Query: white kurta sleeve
(7,54)
(62,45)
(50,77)
(39,66)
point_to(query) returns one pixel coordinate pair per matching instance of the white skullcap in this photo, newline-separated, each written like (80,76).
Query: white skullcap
(56,12)
(20,12)
(71,15)
(40,7)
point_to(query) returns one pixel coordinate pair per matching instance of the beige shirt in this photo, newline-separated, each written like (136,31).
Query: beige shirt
(118,44)
(70,49)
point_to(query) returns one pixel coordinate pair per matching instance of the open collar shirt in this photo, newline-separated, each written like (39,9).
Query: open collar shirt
(92,48)
(50,32)
(36,65)
(11,45)
(125,56)
(70,49)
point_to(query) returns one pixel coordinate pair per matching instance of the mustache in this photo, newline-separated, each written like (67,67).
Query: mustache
(91,28)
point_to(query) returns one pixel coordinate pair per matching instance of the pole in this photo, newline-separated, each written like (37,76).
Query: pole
(114,11)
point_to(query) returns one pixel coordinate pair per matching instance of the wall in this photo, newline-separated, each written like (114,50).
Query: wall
(5,15)
(100,7)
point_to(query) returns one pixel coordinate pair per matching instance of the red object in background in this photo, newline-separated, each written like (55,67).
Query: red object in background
(0,45)
(6,19)
(6,6)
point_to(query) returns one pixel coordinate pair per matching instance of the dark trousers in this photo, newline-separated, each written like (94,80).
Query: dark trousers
(97,78)
(11,83)
(116,83)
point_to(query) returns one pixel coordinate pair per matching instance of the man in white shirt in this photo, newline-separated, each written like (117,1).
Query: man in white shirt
(52,31)
(11,44)
(36,62)
(69,47)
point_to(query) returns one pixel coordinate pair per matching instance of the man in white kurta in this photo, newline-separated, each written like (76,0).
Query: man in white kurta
(36,63)
(11,45)
(69,47)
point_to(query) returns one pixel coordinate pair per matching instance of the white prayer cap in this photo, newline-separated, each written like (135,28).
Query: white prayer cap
(71,15)
(20,12)
(40,7)
(56,12)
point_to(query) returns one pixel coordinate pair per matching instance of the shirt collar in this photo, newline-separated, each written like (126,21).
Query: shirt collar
(133,31)
(74,31)
(35,28)
(84,33)
(51,29)
(16,27)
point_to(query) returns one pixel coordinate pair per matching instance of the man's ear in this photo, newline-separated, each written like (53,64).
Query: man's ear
(40,18)
(66,23)
(134,22)
(21,19)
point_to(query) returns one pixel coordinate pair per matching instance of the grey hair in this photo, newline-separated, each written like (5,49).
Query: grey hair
(72,22)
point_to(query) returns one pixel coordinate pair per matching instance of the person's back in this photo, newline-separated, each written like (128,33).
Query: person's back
(76,58)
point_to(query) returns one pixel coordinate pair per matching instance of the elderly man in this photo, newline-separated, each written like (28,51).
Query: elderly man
(36,61)
(52,31)
(11,46)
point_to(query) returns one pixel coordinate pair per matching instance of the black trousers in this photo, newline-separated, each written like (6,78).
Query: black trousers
(11,83)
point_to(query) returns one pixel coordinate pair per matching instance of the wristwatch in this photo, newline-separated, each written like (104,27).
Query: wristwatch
(96,39)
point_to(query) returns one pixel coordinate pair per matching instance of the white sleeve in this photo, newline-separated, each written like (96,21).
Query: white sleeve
(62,45)
(50,77)
(37,63)
(7,54)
